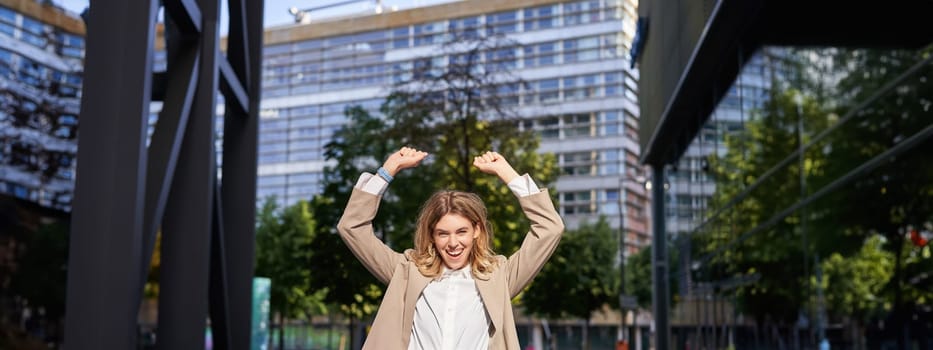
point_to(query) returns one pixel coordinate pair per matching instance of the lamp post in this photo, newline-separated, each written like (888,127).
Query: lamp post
(625,301)
(301,15)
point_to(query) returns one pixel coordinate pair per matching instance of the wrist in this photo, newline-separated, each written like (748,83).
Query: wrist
(392,169)
(384,174)
(508,175)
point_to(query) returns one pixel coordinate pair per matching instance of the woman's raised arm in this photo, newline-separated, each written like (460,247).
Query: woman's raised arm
(355,226)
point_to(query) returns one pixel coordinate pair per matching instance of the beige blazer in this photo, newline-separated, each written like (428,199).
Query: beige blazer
(392,327)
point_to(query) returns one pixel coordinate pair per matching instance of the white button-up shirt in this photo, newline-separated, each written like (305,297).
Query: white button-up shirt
(449,314)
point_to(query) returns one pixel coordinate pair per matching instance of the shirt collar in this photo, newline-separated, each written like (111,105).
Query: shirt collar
(463,272)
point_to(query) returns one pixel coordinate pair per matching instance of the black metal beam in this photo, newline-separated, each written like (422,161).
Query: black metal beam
(187,226)
(219,298)
(165,146)
(186,14)
(660,294)
(159,83)
(707,76)
(238,39)
(107,216)
(238,183)
(231,86)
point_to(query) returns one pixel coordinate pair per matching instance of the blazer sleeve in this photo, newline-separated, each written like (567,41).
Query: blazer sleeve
(356,230)
(540,242)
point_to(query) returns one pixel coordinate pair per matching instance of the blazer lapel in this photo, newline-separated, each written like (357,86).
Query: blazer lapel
(416,284)
(492,301)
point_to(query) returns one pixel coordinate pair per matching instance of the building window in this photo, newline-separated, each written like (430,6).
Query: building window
(547,127)
(7,15)
(468,27)
(576,125)
(578,163)
(548,90)
(542,17)
(581,12)
(7,29)
(579,202)
(502,22)
(501,59)
(429,34)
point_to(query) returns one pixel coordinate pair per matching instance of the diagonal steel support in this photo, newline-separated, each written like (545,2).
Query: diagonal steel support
(186,14)
(242,39)
(189,216)
(231,86)
(165,146)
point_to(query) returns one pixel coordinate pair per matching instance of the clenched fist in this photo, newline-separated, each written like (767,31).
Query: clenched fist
(404,158)
(495,164)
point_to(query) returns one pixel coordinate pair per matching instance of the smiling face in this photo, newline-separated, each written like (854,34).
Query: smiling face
(452,231)
(453,237)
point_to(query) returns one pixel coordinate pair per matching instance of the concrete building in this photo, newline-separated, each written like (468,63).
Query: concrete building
(41,52)
(581,96)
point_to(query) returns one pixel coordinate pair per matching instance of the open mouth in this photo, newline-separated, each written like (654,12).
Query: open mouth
(454,253)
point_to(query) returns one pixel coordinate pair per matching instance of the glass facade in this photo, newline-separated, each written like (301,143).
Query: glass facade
(580,95)
(691,185)
(40,89)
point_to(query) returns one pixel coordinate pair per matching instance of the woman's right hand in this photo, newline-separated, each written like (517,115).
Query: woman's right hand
(404,158)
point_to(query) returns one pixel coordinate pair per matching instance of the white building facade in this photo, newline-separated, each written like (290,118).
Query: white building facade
(581,93)
(41,71)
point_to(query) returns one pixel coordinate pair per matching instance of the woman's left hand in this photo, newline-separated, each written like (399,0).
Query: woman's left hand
(495,164)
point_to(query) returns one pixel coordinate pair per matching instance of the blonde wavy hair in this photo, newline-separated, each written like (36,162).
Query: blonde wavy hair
(468,205)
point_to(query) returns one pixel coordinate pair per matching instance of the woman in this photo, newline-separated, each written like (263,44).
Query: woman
(451,291)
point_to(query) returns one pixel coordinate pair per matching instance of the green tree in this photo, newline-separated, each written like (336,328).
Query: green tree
(885,201)
(775,253)
(457,110)
(898,194)
(359,146)
(584,266)
(638,279)
(283,253)
(854,285)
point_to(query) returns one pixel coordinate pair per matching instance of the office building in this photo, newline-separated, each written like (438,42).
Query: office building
(41,52)
(580,97)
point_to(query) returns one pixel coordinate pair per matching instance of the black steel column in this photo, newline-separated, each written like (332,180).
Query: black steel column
(125,191)
(187,226)
(238,183)
(107,216)
(660,295)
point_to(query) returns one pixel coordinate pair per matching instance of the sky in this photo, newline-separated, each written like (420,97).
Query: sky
(276,11)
